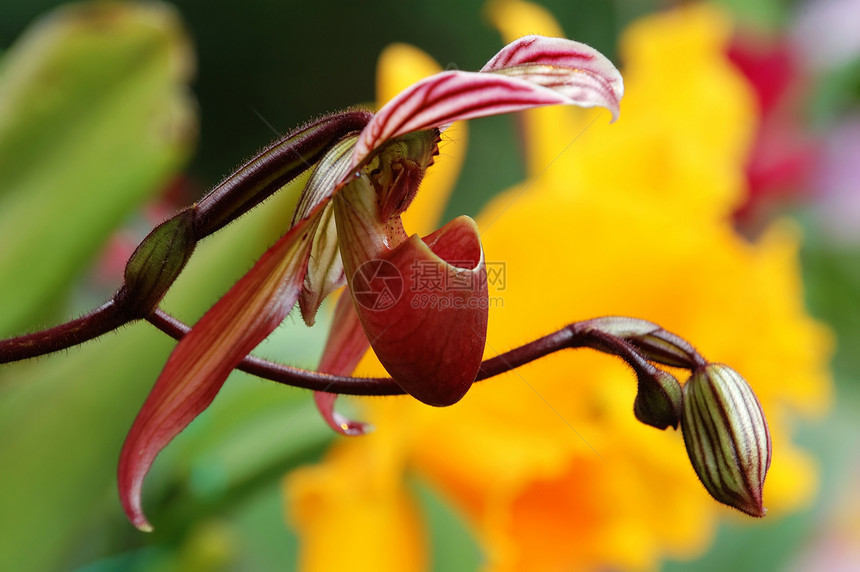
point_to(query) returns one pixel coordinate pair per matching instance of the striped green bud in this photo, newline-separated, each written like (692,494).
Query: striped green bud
(727,437)
(157,263)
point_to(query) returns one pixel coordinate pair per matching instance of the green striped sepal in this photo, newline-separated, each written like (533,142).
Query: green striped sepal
(727,438)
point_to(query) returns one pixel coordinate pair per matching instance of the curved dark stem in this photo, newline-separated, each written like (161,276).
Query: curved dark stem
(163,253)
(286,375)
(272,168)
(100,321)
(110,316)
(570,336)
(567,337)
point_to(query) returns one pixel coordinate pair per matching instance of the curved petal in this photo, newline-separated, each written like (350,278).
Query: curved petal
(346,343)
(325,270)
(203,359)
(544,132)
(340,423)
(559,53)
(424,306)
(343,350)
(531,72)
(333,167)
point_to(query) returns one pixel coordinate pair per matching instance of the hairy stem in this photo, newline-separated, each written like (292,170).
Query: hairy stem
(256,180)
(287,375)
(571,336)
(271,169)
(100,321)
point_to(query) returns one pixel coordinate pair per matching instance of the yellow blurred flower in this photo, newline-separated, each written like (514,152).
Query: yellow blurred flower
(547,464)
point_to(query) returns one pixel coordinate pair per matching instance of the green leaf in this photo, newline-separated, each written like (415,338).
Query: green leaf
(64,418)
(763,14)
(453,545)
(95,117)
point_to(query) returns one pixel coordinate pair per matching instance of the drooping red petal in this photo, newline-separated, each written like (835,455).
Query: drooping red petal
(337,421)
(531,72)
(424,306)
(203,359)
(346,343)
(344,348)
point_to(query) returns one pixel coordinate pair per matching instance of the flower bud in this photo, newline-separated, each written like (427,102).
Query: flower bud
(658,400)
(156,263)
(727,437)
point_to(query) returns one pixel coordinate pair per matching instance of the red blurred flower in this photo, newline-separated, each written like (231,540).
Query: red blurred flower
(783,153)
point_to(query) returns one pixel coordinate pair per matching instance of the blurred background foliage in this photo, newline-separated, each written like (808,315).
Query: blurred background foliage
(103,135)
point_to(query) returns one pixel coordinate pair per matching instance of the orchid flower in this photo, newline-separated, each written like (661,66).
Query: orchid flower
(347,229)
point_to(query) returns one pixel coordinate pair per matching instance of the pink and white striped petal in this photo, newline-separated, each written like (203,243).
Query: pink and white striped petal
(559,53)
(531,72)
(203,359)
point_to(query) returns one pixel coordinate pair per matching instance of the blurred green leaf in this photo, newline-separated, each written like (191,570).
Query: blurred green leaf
(63,421)
(763,14)
(741,546)
(64,418)
(452,545)
(95,117)
(832,281)
(835,94)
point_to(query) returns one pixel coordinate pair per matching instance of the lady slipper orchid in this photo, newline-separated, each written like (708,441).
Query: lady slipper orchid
(347,230)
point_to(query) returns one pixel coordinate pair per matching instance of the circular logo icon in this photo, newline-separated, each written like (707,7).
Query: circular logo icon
(377,285)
